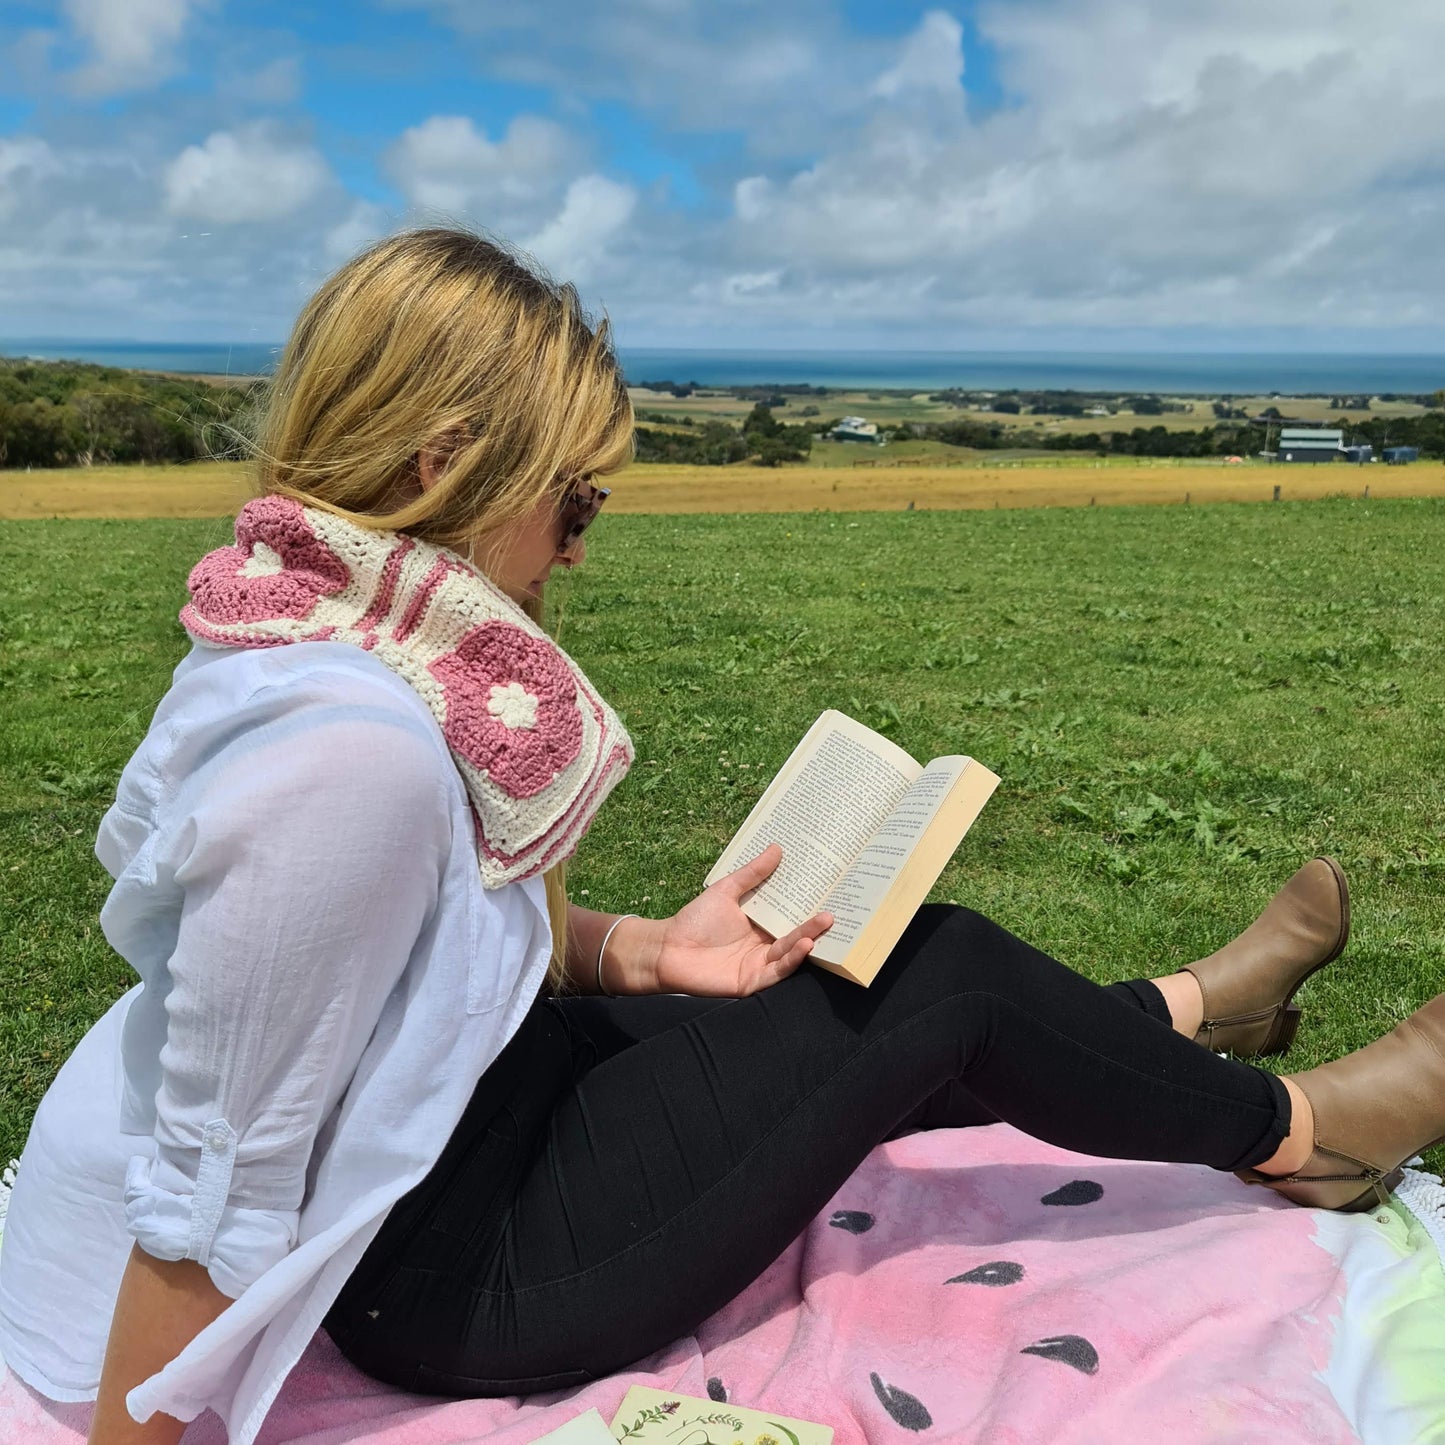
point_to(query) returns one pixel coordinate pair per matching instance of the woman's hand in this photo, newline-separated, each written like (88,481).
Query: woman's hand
(711,948)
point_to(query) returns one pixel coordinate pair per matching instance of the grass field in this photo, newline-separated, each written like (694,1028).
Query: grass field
(1183,705)
(881,479)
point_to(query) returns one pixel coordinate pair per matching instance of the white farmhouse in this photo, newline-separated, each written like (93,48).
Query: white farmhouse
(855,429)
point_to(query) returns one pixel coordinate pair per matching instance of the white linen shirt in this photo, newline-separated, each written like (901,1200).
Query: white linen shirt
(322,981)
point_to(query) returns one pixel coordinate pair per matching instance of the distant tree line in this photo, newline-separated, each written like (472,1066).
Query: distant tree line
(1153,441)
(677,388)
(1056,403)
(1426,432)
(772,393)
(761,437)
(1159,441)
(69,413)
(713,444)
(776,393)
(1223,439)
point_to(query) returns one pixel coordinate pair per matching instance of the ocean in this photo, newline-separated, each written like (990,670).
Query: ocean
(1175,373)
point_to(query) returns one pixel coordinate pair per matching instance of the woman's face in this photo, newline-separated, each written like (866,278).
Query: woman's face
(520,557)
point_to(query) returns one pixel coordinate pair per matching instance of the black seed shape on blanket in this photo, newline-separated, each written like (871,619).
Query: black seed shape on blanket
(1072,1350)
(998,1272)
(715,1389)
(903,1407)
(855,1221)
(1076,1191)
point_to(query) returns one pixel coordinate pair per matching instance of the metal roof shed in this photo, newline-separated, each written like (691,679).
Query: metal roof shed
(1310,444)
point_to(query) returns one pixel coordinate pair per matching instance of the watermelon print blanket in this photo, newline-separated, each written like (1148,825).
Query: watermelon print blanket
(974,1285)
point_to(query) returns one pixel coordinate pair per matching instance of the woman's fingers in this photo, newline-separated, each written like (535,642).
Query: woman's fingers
(794,947)
(819,923)
(751,874)
(794,957)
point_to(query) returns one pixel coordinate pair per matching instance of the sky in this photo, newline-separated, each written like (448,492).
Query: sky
(867,174)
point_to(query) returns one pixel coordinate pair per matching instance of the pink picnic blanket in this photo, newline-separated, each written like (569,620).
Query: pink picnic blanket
(976,1285)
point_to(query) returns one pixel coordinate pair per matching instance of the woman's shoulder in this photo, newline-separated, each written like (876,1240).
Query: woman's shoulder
(298,674)
(319,684)
(328,712)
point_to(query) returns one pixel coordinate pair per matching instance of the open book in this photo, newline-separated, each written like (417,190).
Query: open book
(865,832)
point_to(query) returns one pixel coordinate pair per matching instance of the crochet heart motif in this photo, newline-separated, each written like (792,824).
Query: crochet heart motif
(537,747)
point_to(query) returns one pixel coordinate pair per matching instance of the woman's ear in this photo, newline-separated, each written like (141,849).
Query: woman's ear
(433,460)
(431,466)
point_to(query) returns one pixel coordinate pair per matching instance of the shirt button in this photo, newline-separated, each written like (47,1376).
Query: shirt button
(215,1138)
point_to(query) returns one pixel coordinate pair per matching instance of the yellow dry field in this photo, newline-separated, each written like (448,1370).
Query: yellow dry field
(217,489)
(204,489)
(661,488)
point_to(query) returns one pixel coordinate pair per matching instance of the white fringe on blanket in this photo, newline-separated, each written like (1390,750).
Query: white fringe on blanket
(7,1183)
(1424,1196)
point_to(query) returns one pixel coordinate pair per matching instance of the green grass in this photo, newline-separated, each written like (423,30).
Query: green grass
(1183,705)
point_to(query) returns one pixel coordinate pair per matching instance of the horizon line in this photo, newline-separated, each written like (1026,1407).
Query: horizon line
(812,350)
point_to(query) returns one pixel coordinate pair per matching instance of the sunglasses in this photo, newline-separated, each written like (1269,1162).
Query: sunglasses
(579,509)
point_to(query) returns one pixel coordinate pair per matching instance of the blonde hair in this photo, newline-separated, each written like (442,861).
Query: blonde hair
(441,338)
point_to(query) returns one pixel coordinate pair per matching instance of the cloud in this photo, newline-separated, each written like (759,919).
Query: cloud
(930,59)
(276,83)
(131,43)
(446,164)
(24,161)
(22,154)
(777,73)
(754,172)
(1153,168)
(593,211)
(363,224)
(89,247)
(1247,172)
(250,174)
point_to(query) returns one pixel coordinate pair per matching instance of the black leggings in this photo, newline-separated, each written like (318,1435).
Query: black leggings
(629,1165)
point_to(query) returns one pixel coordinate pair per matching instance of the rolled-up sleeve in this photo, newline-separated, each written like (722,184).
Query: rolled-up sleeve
(307,852)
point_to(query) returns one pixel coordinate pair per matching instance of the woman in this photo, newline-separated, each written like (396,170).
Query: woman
(341,1095)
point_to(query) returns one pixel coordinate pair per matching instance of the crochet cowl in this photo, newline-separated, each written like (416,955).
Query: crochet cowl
(537,747)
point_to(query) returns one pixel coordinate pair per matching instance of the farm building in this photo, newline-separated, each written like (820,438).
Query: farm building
(855,429)
(1311,444)
(1397,456)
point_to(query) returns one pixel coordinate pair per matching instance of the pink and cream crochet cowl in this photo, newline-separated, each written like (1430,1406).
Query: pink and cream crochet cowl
(535,744)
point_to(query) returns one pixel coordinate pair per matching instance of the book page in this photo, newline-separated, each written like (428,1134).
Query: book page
(830,797)
(872,873)
(588,1428)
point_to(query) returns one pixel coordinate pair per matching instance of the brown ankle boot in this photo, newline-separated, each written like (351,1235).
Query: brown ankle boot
(1248,984)
(1374,1109)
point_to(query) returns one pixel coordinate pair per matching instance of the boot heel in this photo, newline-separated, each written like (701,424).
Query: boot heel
(1281,1037)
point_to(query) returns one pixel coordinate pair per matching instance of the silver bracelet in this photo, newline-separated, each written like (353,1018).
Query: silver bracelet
(602,987)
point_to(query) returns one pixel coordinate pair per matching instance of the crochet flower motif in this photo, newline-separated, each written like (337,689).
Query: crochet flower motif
(511,707)
(255,581)
(516,707)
